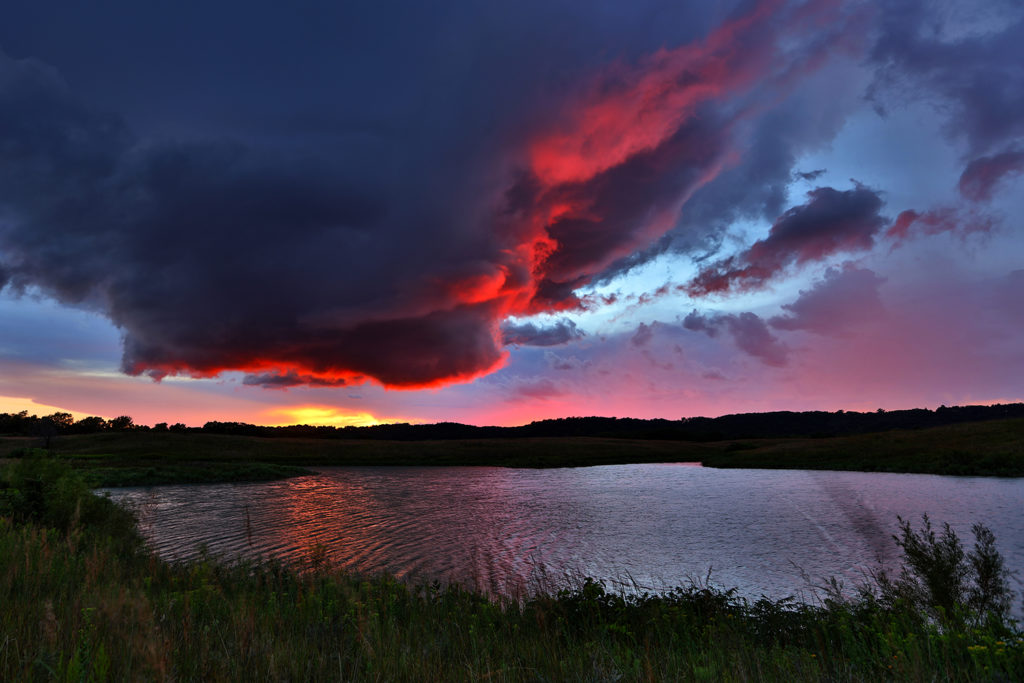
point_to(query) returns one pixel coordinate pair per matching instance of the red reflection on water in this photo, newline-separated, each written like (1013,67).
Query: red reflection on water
(322,521)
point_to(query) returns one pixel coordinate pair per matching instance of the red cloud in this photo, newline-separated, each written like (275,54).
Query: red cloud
(614,171)
(935,221)
(632,110)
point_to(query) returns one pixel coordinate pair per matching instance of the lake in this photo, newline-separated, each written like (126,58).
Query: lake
(771,532)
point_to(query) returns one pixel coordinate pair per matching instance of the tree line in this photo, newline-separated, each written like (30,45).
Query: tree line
(23,424)
(779,424)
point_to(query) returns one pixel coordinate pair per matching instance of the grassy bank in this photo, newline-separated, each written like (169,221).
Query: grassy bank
(991,448)
(83,600)
(994,448)
(127,458)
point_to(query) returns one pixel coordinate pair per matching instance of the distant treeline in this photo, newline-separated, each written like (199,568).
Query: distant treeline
(743,426)
(23,424)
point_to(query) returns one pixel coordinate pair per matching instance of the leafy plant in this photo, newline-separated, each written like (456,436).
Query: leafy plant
(46,491)
(940,579)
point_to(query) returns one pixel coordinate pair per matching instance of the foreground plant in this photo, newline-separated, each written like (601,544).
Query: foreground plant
(939,579)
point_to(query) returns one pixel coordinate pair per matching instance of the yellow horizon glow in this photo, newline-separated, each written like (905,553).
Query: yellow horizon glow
(16,404)
(327,416)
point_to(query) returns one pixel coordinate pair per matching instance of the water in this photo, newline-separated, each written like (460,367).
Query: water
(504,530)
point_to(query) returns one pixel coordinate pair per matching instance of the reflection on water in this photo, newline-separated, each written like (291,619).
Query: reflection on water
(657,525)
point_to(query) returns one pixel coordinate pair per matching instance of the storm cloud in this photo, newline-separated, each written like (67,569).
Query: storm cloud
(967,57)
(831,222)
(217,252)
(529,334)
(339,196)
(216,255)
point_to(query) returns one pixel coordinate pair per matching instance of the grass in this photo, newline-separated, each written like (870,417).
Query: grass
(989,448)
(129,458)
(994,448)
(84,601)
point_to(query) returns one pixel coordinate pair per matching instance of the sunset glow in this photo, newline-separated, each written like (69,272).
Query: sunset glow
(320,415)
(14,405)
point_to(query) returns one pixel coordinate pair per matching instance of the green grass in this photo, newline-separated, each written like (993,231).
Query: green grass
(991,448)
(82,600)
(128,458)
(189,473)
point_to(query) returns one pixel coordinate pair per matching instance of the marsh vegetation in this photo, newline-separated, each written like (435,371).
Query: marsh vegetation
(85,600)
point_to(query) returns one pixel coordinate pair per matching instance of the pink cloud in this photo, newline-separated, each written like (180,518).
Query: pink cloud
(845,299)
(981,177)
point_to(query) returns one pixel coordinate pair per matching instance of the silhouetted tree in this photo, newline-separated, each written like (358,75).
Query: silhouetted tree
(90,425)
(62,421)
(122,423)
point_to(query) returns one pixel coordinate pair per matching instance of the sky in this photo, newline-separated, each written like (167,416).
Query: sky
(493,213)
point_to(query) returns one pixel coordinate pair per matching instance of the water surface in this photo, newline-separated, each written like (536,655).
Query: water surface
(501,529)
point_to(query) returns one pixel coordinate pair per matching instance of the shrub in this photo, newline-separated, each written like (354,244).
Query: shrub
(938,578)
(44,490)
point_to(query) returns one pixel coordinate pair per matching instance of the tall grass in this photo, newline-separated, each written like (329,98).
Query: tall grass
(81,600)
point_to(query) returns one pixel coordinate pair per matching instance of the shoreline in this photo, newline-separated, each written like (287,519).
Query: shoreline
(990,448)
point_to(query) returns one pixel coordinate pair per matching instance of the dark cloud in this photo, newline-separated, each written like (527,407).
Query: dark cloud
(810,175)
(831,222)
(748,331)
(528,334)
(845,298)
(983,174)
(695,322)
(970,59)
(452,173)
(273,380)
(643,335)
(752,185)
(212,255)
(607,191)
(971,64)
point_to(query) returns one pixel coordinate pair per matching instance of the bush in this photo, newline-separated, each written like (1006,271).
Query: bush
(43,490)
(940,579)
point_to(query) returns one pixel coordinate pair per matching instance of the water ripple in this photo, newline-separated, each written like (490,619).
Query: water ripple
(501,529)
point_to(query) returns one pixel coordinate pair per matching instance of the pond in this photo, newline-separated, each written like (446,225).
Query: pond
(771,532)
